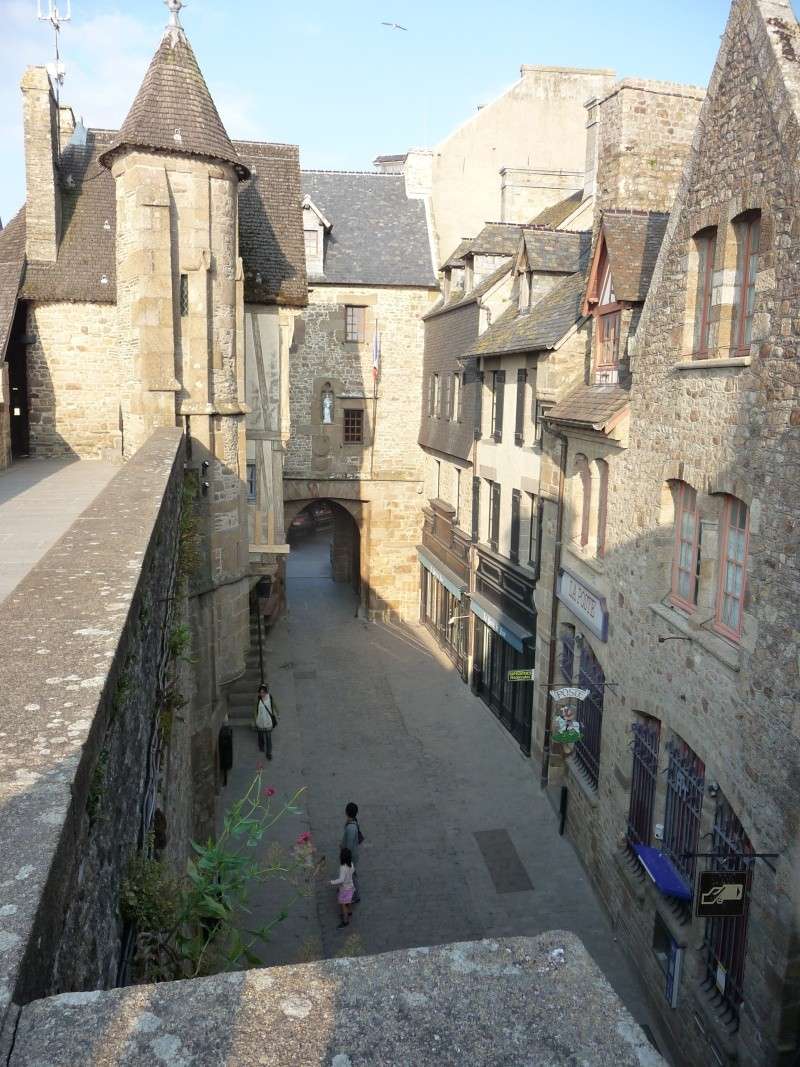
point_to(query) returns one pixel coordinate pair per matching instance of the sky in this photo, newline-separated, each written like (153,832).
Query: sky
(329,77)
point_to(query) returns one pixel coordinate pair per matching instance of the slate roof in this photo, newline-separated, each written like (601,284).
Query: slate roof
(460,299)
(556,251)
(378,235)
(556,213)
(590,405)
(12,261)
(497,239)
(633,239)
(173,110)
(541,327)
(457,258)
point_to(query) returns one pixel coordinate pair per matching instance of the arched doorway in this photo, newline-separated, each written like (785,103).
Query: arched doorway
(325,542)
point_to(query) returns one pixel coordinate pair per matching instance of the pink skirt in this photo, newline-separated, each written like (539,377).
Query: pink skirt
(344,895)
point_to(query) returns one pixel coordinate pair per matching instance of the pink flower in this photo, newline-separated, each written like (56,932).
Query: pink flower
(304,838)
(269,791)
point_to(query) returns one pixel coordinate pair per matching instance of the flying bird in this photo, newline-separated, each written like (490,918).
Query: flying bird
(395,26)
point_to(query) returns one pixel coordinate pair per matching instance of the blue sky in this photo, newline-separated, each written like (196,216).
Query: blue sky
(329,77)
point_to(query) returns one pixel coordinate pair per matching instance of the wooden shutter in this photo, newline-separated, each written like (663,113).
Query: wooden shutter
(494,531)
(476,507)
(478,404)
(522,377)
(461,384)
(516,497)
(499,392)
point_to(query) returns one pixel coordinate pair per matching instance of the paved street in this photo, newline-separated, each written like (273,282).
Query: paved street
(460,842)
(39,501)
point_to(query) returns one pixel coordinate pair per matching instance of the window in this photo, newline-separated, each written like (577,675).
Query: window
(566,658)
(519,415)
(725,940)
(644,777)
(478,430)
(455,397)
(459,404)
(732,577)
(251,481)
(355,323)
(450,398)
(748,230)
(590,714)
(540,410)
(584,498)
(184,295)
(524,290)
(311,238)
(685,784)
(436,411)
(602,506)
(686,555)
(516,500)
(704,242)
(431,396)
(353,426)
(476,508)
(494,514)
(607,363)
(498,390)
(670,957)
(533,530)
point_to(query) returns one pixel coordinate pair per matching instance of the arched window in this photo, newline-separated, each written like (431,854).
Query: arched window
(686,554)
(602,506)
(748,232)
(732,568)
(584,496)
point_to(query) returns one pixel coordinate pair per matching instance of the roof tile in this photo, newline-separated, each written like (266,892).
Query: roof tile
(590,405)
(633,239)
(541,327)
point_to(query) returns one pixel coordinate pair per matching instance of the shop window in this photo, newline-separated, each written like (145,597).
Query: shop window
(519,415)
(355,323)
(602,506)
(725,940)
(732,571)
(590,714)
(686,553)
(251,481)
(644,778)
(748,230)
(353,426)
(684,805)
(670,957)
(704,246)
(498,392)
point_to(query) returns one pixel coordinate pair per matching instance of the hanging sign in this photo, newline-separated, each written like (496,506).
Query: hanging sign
(521,676)
(569,693)
(721,894)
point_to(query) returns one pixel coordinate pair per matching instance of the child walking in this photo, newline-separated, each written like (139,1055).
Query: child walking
(345,884)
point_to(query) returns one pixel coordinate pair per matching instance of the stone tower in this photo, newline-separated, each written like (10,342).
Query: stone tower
(181,335)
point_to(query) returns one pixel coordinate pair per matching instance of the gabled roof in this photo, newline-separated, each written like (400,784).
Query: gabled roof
(173,110)
(309,203)
(540,328)
(555,251)
(12,261)
(496,239)
(632,240)
(457,258)
(591,406)
(461,299)
(556,213)
(378,237)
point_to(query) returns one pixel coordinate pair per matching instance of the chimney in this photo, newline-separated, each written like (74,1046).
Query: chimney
(592,106)
(43,200)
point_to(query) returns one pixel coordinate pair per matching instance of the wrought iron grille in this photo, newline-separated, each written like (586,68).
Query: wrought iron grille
(644,775)
(726,939)
(567,653)
(590,714)
(685,784)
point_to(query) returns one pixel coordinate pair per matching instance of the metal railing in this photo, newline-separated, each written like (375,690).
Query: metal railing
(644,776)
(685,784)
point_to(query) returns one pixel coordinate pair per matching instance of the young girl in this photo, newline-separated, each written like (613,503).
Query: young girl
(345,883)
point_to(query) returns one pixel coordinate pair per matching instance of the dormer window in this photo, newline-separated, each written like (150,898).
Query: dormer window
(315,226)
(524,290)
(469,274)
(602,303)
(311,238)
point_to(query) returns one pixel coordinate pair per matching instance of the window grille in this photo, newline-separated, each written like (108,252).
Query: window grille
(590,714)
(644,776)
(725,940)
(566,658)
(353,426)
(251,481)
(184,295)
(685,784)
(355,323)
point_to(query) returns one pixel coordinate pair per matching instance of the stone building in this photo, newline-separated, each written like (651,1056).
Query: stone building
(355,377)
(517,155)
(124,281)
(684,627)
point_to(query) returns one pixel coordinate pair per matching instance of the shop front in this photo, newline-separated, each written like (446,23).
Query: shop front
(504,633)
(441,608)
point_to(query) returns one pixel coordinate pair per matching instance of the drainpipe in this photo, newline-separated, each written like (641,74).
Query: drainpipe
(551,660)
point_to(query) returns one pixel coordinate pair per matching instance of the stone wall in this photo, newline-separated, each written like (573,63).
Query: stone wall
(84,747)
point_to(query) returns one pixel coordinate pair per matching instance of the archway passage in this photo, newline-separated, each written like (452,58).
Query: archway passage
(325,545)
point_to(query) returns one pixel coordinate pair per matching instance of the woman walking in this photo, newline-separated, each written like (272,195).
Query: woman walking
(345,884)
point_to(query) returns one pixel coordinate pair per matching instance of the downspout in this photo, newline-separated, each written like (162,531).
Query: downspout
(551,660)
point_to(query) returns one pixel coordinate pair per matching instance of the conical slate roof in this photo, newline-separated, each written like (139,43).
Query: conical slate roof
(173,110)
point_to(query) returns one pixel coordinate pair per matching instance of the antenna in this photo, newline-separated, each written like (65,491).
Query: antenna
(56,69)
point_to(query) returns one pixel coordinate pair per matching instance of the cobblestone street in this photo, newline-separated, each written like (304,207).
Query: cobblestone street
(374,713)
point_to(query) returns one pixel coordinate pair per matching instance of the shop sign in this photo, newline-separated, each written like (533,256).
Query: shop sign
(584,603)
(722,895)
(521,676)
(569,692)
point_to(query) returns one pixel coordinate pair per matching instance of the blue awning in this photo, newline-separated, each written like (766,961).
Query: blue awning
(449,580)
(663,872)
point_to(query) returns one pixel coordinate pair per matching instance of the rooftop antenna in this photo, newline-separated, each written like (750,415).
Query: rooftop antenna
(56,69)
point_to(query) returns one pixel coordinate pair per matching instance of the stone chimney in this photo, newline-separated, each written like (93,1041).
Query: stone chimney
(43,200)
(592,106)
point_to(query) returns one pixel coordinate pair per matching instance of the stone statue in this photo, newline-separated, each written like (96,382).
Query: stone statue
(327,408)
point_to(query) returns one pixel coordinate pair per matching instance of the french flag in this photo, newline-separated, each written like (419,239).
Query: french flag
(376,355)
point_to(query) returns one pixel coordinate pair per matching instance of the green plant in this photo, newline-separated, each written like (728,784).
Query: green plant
(189,557)
(171,704)
(201,927)
(97,786)
(180,641)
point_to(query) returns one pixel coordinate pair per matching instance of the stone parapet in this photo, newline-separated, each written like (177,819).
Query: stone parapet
(516,1000)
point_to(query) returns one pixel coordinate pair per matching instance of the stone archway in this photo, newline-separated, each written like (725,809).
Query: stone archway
(346,555)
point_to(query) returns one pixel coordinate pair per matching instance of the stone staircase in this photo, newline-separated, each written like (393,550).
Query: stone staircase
(243,693)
